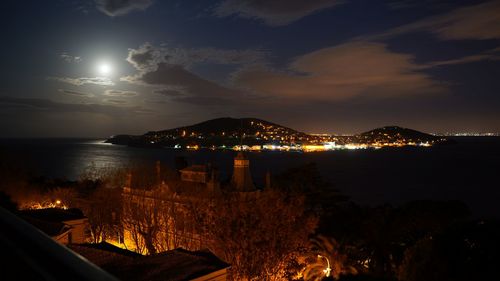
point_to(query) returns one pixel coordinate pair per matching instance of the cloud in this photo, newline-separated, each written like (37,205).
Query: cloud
(341,72)
(197,90)
(170,92)
(120,93)
(115,101)
(477,22)
(491,55)
(169,68)
(102,81)
(69,58)
(273,13)
(337,73)
(76,93)
(409,4)
(219,56)
(147,57)
(121,7)
(52,106)
(155,101)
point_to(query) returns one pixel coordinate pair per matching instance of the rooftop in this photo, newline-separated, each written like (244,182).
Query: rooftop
(104,254)
(50,228)
(196,168)
(53,214)
(178,264)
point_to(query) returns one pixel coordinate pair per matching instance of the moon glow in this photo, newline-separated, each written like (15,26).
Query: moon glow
(104,69)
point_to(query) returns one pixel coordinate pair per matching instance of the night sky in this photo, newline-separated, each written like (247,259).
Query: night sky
(98,68)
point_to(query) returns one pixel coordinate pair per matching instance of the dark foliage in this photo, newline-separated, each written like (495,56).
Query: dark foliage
(7,203)
(465,251)
(376,238)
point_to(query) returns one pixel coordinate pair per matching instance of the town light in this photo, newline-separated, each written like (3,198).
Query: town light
(328,269)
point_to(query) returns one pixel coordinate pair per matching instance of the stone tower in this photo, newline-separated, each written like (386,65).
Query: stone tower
(242,179)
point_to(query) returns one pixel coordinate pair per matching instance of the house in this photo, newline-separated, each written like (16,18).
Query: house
(167,204)
(66,226)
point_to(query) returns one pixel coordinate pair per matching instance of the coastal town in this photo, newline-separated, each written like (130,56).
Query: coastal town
(251,134)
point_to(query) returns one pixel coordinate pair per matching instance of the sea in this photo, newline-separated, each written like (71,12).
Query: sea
(467,171)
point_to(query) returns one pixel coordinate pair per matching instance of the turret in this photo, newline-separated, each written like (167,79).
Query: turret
(268,179)
(242,178)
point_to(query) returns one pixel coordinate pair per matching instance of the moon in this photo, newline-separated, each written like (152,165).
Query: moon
(104,69)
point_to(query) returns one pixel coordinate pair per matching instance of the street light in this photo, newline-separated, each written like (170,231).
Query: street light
(328,269)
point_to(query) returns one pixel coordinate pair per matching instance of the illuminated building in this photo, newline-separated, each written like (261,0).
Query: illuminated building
(173,195)
(176,196)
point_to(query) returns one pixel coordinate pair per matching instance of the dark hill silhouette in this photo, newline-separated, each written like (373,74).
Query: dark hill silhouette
(253,131)
(216,132)
(228,126)
(396,134)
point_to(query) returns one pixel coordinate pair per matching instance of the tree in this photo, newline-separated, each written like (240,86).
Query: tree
(99,198)
(63,196)
(327,248)
(306,180)
(144,219)
(465,251)
(104,211)
(7,203)
(375,238)
(155,217)
(258,233)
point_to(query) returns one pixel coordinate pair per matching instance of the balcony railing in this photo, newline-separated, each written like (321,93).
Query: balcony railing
(29,254)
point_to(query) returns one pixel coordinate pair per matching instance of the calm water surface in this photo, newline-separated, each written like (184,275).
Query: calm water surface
(467,171)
